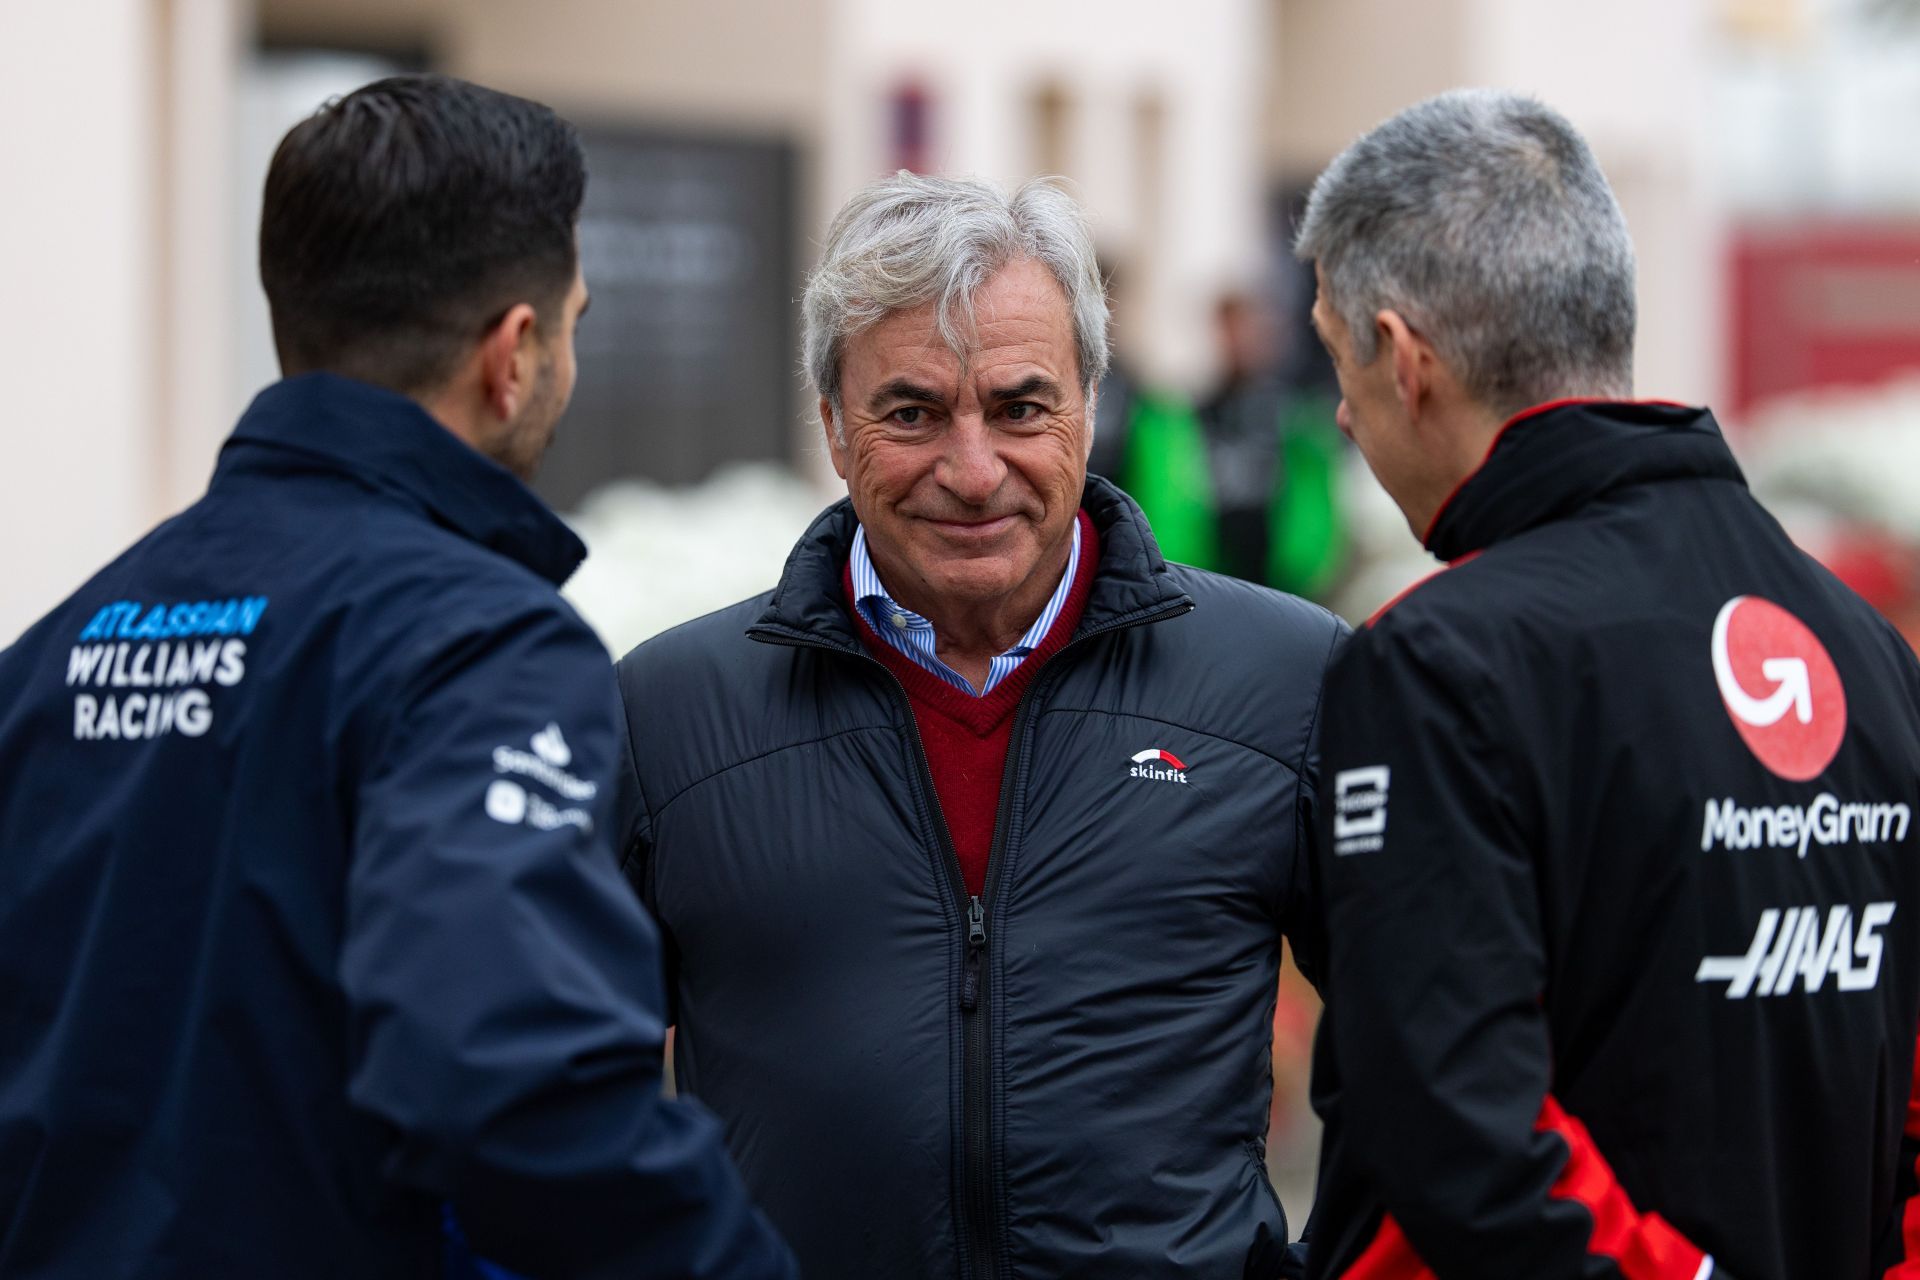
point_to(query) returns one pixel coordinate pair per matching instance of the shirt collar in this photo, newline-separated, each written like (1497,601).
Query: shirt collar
(392,444)
(883,610)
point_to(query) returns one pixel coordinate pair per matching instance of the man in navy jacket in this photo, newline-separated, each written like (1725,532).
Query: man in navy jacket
(311,927)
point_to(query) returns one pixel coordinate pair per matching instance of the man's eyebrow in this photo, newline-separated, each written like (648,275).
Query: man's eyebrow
(897,389)
(1038,384)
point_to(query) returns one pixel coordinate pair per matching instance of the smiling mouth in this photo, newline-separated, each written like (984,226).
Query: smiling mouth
(971,528)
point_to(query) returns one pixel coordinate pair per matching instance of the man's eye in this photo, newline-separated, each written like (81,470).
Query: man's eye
(908,415)
(1023,411)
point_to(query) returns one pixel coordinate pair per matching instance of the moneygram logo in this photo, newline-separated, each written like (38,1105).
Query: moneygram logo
(1779,687)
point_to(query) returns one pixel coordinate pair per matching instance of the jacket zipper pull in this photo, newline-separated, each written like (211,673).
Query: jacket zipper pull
(976,941)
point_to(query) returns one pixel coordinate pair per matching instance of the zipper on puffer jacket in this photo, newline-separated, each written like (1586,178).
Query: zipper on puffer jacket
(978,1225)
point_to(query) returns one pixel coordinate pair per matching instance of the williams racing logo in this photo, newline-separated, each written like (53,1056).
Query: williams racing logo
(1156,765)
(148,670)
(1779,687)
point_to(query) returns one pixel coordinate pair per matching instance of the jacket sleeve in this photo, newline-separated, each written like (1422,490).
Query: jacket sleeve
(1900,1250)
(633,838)
(1305,920)
(504,984)
(1436,978)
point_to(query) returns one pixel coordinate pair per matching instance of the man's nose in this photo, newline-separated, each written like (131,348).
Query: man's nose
(971,468)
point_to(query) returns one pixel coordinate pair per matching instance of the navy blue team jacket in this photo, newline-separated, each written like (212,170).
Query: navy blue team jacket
(309,922)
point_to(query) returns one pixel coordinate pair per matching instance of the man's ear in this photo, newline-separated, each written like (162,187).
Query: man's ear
(1412,358)
(509,361)
(835,450)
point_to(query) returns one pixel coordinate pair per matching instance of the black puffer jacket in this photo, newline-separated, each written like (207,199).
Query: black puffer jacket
(1098,1107)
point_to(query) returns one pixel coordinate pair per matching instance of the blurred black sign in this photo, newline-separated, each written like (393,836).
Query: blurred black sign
(687,358)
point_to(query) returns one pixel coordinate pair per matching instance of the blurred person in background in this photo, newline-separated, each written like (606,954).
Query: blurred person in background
(1147,440)
(1273,456)
(1247,484)
(1619,859)
(974,841)
(313,930)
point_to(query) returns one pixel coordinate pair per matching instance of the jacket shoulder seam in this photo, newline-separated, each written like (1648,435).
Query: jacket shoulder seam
(1319,700)
(760,755)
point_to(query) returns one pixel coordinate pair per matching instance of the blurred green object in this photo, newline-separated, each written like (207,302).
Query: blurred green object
(1307,538)
(1165,469)
(1165,466)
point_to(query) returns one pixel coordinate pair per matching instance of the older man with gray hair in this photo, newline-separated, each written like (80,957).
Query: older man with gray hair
(974,841)
(1610,994)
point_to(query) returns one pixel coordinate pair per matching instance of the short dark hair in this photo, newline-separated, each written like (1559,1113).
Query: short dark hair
(403,220)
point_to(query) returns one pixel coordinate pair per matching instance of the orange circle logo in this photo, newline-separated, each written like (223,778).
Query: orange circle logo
(1779,686)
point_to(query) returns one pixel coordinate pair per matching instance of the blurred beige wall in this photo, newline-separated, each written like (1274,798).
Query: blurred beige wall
(78,269)
(1342,66)
(1632,75)
(750,64)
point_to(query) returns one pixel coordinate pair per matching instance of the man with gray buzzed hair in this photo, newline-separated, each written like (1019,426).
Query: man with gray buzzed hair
(1482,217)
(1588,1014)
(975,840)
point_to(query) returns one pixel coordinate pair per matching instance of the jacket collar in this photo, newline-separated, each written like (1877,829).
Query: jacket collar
(1131,583)
(389,443)
(1551,460)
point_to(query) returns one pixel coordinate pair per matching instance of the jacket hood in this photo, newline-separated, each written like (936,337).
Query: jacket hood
(388,442)
(1549,461)
(1131,580)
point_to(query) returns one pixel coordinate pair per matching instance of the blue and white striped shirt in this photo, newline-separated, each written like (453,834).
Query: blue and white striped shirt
(913,635)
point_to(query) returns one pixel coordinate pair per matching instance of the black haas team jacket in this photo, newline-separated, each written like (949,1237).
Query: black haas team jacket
(1066,1077)
(1623,888)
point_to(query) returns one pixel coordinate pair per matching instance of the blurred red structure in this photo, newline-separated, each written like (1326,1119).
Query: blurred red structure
(1882,568)
(1822,304)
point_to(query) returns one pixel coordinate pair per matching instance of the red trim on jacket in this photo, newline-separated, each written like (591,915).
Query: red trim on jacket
(1643,1245)
(1389,1257)
(1908,1268)
(1426,539)
(1414,586)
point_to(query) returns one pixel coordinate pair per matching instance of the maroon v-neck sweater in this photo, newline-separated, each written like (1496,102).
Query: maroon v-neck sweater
(966,736)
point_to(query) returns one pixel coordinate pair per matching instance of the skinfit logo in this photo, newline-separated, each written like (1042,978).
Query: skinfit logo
(1156,765)
(1779,686)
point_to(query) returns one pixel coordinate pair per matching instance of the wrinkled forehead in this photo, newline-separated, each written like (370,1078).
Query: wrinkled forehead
(1019,317)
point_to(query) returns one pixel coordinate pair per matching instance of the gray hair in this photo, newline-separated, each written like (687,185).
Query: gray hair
(1481,217)
(907,240)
